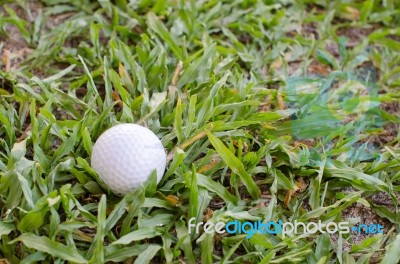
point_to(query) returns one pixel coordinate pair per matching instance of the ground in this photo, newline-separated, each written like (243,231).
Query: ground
(268,110)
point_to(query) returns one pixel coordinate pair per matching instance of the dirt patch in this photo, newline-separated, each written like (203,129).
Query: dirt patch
(55,20)
(6,85)
(333,49)
(392,108)
(309,30)
(316,68)
(391,129)
(13,42)
(383,198)
(355,34)
(294,66)
(365,215)
(217,203)
(389,134)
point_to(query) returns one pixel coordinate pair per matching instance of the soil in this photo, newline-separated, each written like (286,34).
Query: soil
(355,34)
(365,215)
(14,43)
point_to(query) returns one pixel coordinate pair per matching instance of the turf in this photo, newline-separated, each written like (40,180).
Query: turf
(269,110)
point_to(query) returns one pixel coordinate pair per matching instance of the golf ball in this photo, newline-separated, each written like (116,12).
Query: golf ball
(125,155)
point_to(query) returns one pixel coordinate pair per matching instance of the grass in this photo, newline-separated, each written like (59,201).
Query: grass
(268,110)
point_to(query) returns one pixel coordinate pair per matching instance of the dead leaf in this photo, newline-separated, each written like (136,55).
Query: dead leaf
(276,64)
(123,72)
(208,214)
(177,72)
(117,98)
(288,197)
(208,166)
(318,69)
(173,200)
(351,13)
(258,206)
(281,103)
(299,188)
(185,144)
(301,185)
(6,59)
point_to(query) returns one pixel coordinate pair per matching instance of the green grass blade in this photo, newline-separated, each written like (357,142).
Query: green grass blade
(393,253)
(50,247)
(219,189)
(147,255)
(234,164)
(137,235)
(158,27)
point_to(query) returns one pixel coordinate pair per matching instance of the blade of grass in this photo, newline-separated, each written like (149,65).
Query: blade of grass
(234,164)
(50,247)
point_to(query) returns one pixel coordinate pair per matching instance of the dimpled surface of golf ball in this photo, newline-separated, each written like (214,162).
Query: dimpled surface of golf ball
(125,155)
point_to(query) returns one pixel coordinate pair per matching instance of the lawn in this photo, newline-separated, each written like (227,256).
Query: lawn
(268,111)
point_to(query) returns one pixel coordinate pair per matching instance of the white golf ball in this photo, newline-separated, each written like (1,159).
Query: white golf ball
(125,155)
